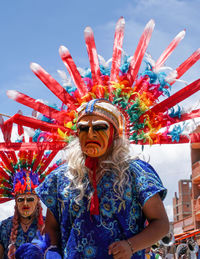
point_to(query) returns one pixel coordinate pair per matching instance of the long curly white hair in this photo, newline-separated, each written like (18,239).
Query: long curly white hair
(117,163)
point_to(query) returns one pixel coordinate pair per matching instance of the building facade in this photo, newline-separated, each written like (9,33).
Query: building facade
(186,205)
(195,159)
(182,207)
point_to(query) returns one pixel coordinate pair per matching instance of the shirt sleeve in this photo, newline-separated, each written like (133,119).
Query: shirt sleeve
(5,227)
(147,181)
(1,231)
(48,192)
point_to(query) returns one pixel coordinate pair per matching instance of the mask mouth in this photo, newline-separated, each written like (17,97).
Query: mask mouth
(26,208)
(93,142)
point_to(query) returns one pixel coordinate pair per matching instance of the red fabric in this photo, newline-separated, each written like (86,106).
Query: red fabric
(111,135)
(40,218)
(92,163)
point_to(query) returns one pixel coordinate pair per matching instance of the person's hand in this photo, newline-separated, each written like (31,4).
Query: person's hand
(120,250)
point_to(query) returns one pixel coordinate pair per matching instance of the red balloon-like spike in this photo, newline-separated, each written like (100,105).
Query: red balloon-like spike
(36,124)
(186,65)
(117,49)
(140,51)
(168,51)
(72,69)
(52,84)
(32,103)
(117,52)
(93,56)
(176,98)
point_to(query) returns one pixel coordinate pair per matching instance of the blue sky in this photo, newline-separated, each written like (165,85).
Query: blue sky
(32,31)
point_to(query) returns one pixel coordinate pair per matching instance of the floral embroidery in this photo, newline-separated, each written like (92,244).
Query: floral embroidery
(22,237)
(86,236)
(89,252)
(49,201)
(107,207)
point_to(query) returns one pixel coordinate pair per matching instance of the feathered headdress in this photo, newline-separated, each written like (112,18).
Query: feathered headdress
(137,95)
(23,165)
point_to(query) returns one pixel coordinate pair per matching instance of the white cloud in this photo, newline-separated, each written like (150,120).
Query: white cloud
(169,210)
(172,163)
(7,209)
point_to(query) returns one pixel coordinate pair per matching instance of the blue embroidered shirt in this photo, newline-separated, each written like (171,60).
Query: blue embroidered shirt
(22,237)
(86,236)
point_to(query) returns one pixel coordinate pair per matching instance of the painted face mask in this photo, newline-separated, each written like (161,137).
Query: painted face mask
(94,134)
(26,204)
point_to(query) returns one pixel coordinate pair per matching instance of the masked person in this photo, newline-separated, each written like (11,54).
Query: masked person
(20,172)
(99,200)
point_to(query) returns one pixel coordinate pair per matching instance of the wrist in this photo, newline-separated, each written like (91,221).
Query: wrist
(130,245)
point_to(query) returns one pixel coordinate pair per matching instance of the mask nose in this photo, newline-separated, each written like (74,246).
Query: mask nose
(91,132)
(25,201)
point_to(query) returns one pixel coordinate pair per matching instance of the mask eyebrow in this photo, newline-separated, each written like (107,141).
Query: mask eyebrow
(32,196)
(94,123)
(82,123)
(21,197)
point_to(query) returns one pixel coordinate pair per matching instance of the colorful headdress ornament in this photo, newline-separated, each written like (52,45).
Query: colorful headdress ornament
(145,118)
(104,109)
(23,165)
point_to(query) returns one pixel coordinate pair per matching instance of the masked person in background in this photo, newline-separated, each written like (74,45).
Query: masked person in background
(20,172)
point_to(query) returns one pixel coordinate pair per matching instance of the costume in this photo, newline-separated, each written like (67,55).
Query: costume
(114,103)
(23,165)
(83,237)
(22,237)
